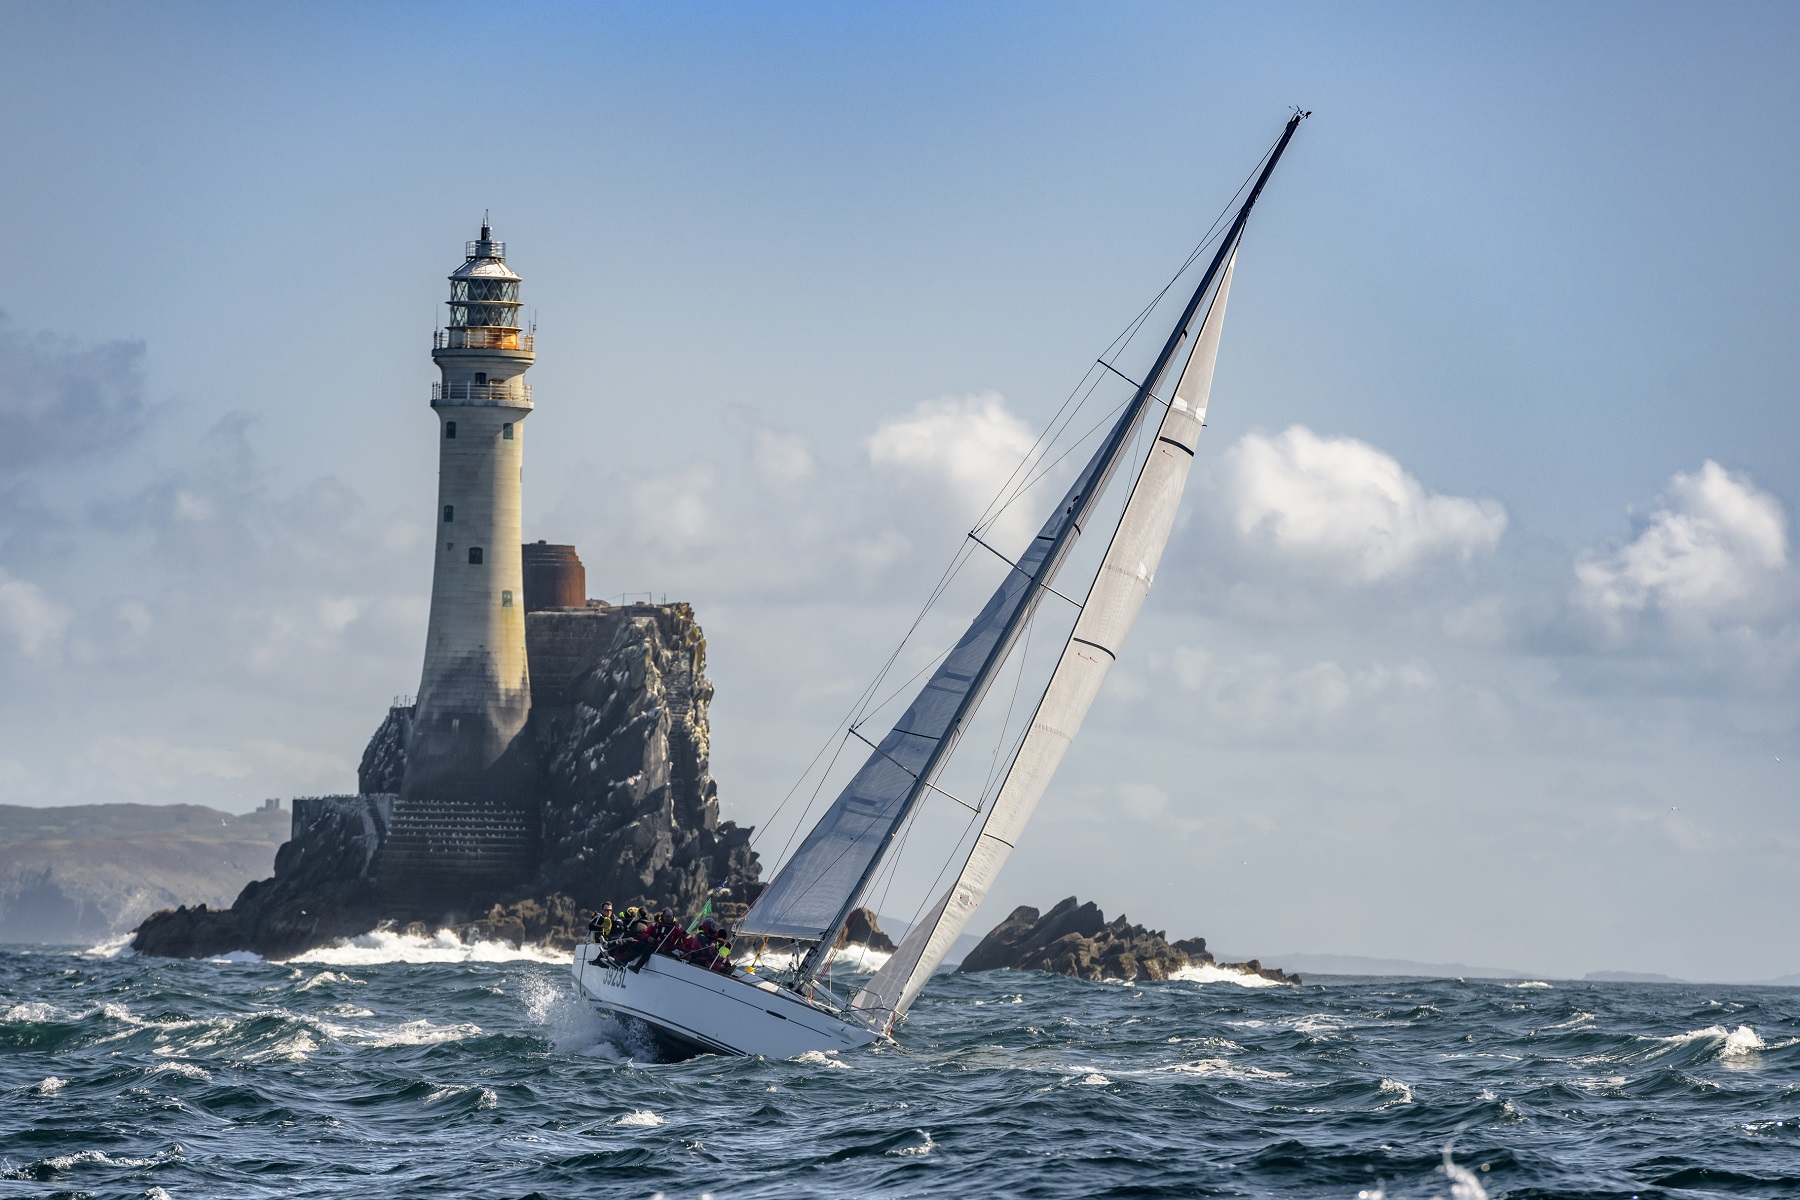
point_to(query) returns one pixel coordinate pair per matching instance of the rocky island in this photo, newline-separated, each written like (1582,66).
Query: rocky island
(1076,939)
(620,806)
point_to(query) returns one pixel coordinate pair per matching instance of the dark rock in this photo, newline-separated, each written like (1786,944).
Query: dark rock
(384,758)
(1194,948)
(1076,939)
(862,930)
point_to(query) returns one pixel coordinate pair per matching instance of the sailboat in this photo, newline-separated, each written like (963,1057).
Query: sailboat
(808,903)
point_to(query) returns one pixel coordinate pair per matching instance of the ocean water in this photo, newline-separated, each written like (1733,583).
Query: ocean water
(411,1067)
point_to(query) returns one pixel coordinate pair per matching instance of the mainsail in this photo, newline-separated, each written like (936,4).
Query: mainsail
(1106,617)
(813,894)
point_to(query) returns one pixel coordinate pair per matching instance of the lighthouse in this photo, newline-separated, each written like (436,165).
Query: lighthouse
(462,793)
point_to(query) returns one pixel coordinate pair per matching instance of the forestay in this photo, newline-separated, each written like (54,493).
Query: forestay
(1107,615)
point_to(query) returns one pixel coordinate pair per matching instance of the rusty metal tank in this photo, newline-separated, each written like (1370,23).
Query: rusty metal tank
(554,577)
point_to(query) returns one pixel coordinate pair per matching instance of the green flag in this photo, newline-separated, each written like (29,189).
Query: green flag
(705,911)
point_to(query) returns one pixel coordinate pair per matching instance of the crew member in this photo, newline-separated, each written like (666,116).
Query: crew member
(601,929)
(603,926)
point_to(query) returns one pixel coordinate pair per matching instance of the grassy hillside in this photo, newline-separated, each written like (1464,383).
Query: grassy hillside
(87,872)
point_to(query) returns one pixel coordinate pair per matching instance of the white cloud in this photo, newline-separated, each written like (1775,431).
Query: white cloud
(34,620)
(1343,505)
(673,509)
(1259,694)
(1715,552)
(969,445)
(782,459)
(1145,801)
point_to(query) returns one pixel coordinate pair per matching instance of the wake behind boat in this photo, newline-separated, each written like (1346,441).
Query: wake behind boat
(693,1009)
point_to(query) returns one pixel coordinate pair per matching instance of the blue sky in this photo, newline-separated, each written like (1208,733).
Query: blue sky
(1463,649)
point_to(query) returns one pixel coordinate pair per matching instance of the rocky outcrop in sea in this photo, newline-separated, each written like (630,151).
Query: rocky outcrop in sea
(1076,939)
(623,807)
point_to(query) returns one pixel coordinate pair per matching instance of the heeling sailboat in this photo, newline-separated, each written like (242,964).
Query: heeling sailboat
(813,895)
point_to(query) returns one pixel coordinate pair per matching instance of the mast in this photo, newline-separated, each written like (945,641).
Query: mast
(1061,531)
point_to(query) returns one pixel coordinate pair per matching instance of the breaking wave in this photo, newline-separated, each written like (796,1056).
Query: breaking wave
(1210,973)
(387,946)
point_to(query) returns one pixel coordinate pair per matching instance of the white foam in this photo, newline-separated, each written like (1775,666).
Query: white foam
(51,1085)
(387,946)
(1580,1018)
(925,1147)
(63,1162)
(861,959)
(576,1027)
(323,978)
(822,1058)
(187,1070)
(485,1097)
(642,1116)
(1095,1079)
(31,1010)
(1393,1087)
(411,1033)
(1529,983)
(1225,1067)
(1735,1043)
(1742,1040)
(119,947)
(1213,973)
(293,1048)
(347,1010)
(1599,1083)
(1463,1184)
(236,956)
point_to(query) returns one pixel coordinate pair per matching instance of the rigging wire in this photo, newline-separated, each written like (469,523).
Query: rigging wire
(858,709)
(1117,345)
(1002,500)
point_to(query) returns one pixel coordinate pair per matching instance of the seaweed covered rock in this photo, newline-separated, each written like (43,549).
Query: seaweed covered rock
(1076,939)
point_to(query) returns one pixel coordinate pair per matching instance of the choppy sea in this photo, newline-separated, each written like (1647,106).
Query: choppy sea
(401,1068)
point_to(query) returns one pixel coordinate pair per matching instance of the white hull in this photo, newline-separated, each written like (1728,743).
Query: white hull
(705,1012)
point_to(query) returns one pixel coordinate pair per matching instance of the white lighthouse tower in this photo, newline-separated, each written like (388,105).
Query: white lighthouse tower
(475,692)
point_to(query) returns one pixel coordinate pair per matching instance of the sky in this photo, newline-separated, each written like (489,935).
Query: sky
(1479,636)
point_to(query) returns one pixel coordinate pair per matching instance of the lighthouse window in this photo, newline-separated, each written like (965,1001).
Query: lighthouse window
(474,556)
(481,377)
(449,429)
(449,513)
(506,431)
(505,599)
